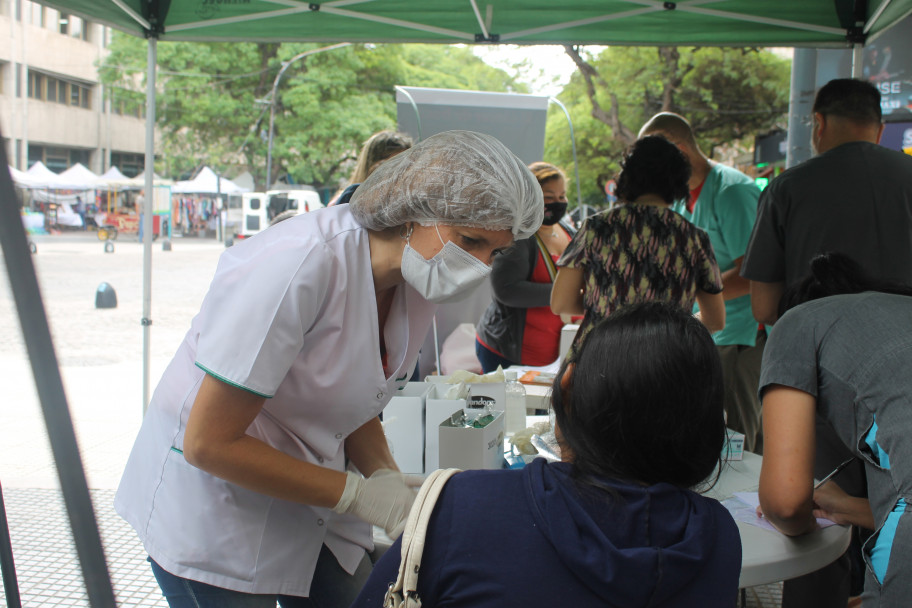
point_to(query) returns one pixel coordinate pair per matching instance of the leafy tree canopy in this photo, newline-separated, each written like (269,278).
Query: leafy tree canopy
(213,100)
(727,94)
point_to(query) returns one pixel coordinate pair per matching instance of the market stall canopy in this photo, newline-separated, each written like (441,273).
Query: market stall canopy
(140,181)
(78,177)
(113,179)
(23,179)
(206,182)
(817,23)
(44,177)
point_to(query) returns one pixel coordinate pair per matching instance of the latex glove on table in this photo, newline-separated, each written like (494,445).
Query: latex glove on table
(383,499)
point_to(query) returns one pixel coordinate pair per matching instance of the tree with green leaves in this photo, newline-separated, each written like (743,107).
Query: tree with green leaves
(727,94)
(213,100)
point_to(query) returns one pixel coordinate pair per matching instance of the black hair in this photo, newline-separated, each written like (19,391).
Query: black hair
(856,100)
(833,274)
(643,400)
(653,165)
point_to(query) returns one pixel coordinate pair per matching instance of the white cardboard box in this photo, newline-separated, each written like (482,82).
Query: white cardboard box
(470,448)
(437,410)
(403,425)
(568,333)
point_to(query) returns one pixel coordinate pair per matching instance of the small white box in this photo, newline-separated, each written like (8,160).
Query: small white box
(568,333)
(470,448)
(437,409)
(403,425)
(734,446)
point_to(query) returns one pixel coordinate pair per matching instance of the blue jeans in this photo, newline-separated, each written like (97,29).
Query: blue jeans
(489,359)
(332,587)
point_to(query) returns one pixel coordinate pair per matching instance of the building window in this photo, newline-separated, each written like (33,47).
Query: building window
(49,88)
(5,7)
(57,159)
(35,85)
(18,80)
(36,14)
(63,24)
(130,165)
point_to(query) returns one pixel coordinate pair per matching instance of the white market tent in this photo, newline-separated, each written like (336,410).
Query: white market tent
(206,182)
(23,179)
(78,177)
(44,177)
(113,179)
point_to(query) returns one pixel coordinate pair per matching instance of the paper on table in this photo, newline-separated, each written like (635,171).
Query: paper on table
(743,507)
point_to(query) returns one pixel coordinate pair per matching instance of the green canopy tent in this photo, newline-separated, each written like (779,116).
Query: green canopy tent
(798,23)
(599,22)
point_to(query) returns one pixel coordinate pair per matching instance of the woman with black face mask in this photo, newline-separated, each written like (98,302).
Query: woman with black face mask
(518,328)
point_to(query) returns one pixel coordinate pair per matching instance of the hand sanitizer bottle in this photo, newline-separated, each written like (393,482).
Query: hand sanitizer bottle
(515,403)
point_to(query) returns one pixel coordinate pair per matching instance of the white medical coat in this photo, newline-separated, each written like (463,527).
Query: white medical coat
(291,314)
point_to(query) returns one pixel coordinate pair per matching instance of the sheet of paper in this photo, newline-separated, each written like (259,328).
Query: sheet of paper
(743,508)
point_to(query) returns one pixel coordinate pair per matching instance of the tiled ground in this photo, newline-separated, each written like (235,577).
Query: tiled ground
(46,564)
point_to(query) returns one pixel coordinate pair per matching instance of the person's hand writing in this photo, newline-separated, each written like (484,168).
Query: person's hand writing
(384,499)
(831,502)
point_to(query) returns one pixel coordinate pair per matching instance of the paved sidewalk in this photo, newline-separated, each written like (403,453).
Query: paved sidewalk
(100,356)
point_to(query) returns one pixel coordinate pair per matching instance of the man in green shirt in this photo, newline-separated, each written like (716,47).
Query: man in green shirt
(723,202)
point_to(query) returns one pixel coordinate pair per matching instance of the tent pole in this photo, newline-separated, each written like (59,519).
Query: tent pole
(147,217)
(801,103)
(857,58)
(579,195)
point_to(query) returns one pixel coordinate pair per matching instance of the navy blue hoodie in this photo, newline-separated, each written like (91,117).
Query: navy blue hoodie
(535,537)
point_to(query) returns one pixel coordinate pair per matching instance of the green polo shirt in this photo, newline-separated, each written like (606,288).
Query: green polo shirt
(727,209)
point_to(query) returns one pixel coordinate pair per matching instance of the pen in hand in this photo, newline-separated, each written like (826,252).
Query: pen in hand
(834,472)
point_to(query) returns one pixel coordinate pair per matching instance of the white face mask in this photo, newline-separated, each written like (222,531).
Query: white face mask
(447,275)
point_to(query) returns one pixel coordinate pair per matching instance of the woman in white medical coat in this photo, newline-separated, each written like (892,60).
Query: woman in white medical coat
(261,462)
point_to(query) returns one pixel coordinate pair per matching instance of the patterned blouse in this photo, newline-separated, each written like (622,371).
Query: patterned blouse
(637,253)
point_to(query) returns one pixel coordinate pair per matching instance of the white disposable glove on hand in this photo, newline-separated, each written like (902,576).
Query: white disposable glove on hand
(383,499)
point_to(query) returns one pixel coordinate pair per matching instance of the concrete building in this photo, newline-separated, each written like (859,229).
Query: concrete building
(52,106)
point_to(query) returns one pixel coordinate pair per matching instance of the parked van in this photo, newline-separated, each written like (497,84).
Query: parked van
(298,200)
(246,214)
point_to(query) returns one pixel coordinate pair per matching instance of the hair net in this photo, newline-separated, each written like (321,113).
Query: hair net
(460,178)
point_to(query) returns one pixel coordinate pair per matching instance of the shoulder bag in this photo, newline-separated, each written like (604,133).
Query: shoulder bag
(404,592)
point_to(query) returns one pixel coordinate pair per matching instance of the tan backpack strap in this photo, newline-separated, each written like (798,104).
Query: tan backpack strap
(404,591)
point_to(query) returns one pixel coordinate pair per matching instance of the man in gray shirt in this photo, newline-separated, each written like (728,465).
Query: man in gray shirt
(855,197)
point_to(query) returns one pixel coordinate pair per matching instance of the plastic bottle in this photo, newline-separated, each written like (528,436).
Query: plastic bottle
(515,403)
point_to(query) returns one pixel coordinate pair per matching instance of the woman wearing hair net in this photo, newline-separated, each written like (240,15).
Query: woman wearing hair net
(261,462)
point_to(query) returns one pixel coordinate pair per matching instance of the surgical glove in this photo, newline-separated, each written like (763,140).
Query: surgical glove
(383,499)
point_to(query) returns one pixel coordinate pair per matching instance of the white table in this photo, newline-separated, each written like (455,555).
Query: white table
(767,556)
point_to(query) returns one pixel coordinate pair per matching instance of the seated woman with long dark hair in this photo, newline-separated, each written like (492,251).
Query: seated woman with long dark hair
(639,421)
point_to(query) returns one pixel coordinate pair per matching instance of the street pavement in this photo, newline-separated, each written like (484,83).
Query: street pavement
(99,351)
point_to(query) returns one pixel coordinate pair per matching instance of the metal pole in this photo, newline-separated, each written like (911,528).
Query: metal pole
(801,103)
(579,196)
(272,101)
(146,320)
(857,58)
